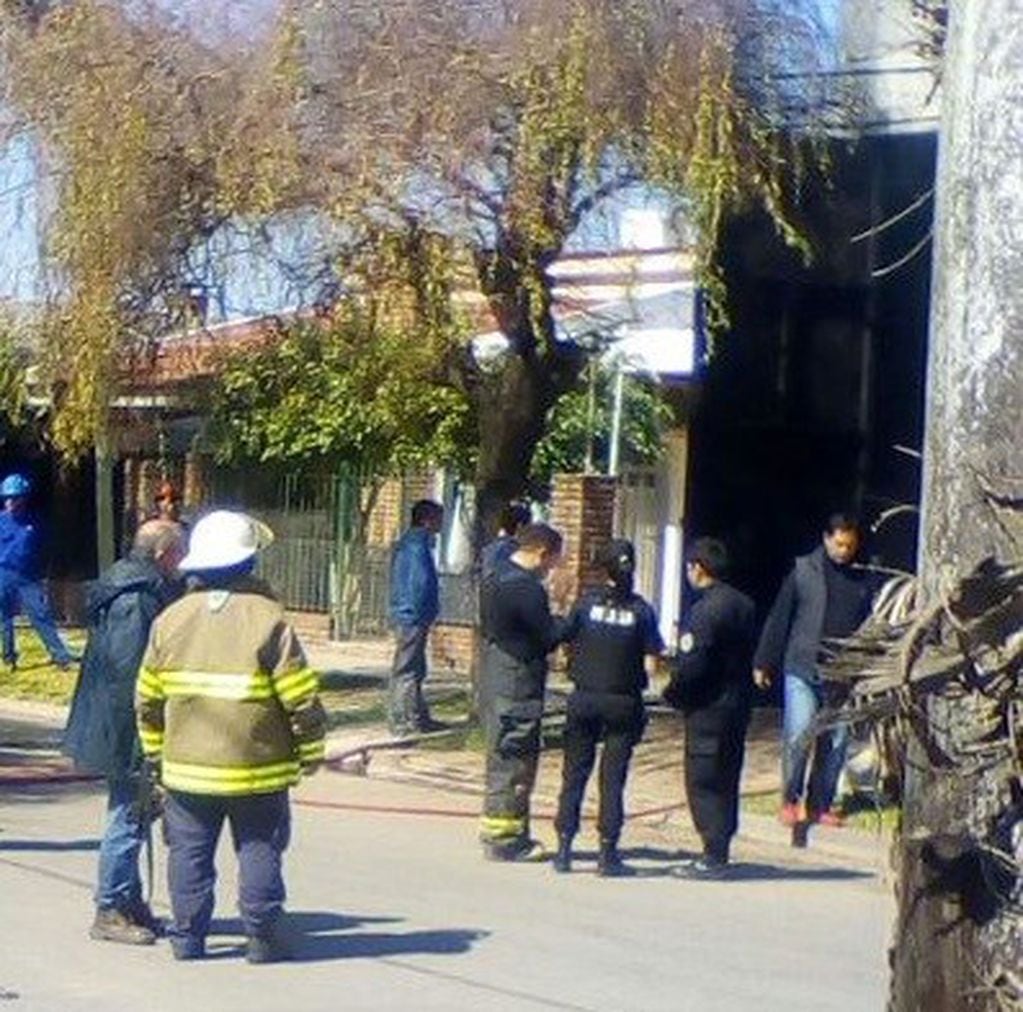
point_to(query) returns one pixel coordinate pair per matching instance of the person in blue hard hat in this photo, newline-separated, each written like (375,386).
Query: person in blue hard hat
(21,586)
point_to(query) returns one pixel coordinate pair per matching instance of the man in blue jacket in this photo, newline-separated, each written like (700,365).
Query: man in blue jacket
(414,604)
(101,735)
(21,585)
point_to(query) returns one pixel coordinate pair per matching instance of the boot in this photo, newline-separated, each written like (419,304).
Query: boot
(116,926)
(187,949)
(563,858)
(610,863)
(140,913)
(270,946)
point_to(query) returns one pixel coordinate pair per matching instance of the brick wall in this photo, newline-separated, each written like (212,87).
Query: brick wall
(582,509)
(385,520)
(453,648)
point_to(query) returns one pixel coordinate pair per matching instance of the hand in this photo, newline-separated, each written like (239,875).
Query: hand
(762,678)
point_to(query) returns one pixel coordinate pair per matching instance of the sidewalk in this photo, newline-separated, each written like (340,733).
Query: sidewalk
(451,781)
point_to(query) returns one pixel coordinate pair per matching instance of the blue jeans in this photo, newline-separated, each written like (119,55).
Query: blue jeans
(260,828)
(29,596)
(119,884)
(802,701)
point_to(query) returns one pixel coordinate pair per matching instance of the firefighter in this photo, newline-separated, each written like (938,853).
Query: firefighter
(229,710)
(613,631)
(711,686)
(518,633)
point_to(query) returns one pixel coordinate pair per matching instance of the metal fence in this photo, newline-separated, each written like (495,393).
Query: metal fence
(315,563)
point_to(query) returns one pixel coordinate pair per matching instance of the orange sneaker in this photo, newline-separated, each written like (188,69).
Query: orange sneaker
(790,814)
(832,818)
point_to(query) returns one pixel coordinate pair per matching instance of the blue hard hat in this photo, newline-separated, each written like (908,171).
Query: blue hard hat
(15,485)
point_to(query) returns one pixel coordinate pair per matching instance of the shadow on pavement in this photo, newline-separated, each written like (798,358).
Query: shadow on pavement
(321,936)
(48,845)
(653,854)
(445,942)
(305,921)
(750,872)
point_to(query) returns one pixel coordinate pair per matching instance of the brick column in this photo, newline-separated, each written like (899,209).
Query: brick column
(582,509)
(195,484)
(148,483)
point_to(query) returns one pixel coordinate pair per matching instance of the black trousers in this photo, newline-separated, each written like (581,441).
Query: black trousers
(715,743)
(618,722)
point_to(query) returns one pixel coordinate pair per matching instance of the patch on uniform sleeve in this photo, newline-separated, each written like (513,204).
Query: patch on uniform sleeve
(686,643)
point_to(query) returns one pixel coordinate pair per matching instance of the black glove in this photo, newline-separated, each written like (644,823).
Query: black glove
(149,802)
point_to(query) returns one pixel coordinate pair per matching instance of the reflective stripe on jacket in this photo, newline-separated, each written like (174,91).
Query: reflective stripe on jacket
(226,701)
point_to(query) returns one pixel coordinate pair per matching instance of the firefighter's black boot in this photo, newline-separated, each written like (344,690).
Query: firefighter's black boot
(610,863)
(563,858)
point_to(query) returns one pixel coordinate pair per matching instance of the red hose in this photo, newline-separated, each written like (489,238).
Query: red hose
(37,780)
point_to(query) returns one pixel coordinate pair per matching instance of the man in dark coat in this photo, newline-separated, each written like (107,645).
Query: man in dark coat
(101,735)
(711,686)
(824,598)
(518,634)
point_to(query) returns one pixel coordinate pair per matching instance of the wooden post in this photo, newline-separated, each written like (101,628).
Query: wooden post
(106,549)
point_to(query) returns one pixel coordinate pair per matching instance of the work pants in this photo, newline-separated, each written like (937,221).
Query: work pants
(407,709)
(803,700)
(260,828)
(29,597)
(618,722)
(715,743)
(512,731)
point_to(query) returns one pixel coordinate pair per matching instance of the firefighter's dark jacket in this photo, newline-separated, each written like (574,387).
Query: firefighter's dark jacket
(518,632)
(713,666)
(121,607)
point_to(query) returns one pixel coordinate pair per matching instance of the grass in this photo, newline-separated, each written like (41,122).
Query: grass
(860,811)
(35,677)
(351,700)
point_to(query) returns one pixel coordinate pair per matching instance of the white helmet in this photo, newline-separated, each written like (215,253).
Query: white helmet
(225,538)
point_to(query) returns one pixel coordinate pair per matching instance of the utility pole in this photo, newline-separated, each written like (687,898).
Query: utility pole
(947,957)
(104,479)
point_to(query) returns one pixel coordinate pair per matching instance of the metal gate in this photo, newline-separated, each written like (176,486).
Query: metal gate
(316,562)
(639,516)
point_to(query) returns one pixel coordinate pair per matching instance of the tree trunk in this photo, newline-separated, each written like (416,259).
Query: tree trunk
(512,420)
(945,958)
(513,403)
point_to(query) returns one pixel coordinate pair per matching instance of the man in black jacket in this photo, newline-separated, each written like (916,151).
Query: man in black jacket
(101,736)
(518,634)
(711,686)
(824,598)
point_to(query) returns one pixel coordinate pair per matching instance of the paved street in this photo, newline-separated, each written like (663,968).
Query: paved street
(399,911)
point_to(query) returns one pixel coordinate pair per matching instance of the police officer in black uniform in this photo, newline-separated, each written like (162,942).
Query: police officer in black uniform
(711,686)
(613,631)
(518,634)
